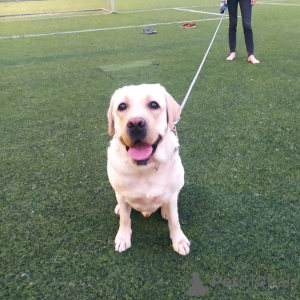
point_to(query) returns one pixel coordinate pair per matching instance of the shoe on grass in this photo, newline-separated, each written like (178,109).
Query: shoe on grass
(149,31)
(193,25)
(183,25)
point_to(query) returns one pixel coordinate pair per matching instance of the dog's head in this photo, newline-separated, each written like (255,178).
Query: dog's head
(140,116)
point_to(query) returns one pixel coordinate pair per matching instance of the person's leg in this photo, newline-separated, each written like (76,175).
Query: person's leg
(246,12)
(232,11)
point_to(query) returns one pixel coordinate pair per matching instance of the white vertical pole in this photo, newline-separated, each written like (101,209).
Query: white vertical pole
(112,4)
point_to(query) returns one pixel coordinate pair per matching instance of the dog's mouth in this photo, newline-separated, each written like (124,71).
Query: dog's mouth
(141,152)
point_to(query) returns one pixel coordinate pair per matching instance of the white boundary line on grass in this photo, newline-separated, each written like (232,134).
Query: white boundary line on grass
(167,8)
(30,18)
(100,29)
(88,14)
(281,4)
(136,11)
(198,11)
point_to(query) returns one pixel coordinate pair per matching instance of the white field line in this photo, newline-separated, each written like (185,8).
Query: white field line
(54,13)
(198,11)
(158,9)
(102,29)
(88,14)
(27,18)
(266,1)
(281,4)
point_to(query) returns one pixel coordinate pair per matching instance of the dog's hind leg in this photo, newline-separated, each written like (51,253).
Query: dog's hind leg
(146,214)
(117,210)
(163,213)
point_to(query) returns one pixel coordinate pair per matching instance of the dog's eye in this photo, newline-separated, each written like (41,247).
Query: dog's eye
(122,107)
(154,105)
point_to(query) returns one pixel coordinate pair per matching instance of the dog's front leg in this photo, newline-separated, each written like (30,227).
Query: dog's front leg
(180,242)
(123,238)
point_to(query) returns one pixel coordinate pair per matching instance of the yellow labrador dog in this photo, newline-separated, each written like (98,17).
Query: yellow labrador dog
(144,167)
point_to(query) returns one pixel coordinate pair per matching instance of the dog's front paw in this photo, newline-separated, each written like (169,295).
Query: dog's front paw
(181,245)
(123,241)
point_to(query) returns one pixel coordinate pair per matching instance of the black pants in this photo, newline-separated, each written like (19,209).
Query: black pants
(246,11)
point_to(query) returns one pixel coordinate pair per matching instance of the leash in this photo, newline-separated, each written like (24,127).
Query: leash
(197,74)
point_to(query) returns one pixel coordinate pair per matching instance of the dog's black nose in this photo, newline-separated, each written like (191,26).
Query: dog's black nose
(137,128)
(137,123)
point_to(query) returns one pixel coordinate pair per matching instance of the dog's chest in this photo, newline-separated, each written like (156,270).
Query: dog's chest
(144,187)
(150,204)
(151,191)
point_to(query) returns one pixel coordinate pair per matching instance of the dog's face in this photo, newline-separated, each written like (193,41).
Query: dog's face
(140,116)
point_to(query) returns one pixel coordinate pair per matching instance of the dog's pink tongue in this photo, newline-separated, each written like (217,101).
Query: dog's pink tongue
(140,152)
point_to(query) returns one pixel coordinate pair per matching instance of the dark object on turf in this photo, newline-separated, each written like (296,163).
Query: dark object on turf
(149,31)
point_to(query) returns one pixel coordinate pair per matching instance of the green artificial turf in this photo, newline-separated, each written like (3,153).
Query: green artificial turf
(239,136)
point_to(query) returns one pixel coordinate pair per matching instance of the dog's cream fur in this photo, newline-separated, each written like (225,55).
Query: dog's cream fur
(155,184)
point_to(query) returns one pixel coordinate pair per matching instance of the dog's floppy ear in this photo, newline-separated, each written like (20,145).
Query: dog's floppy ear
(173,110)
(110,117)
